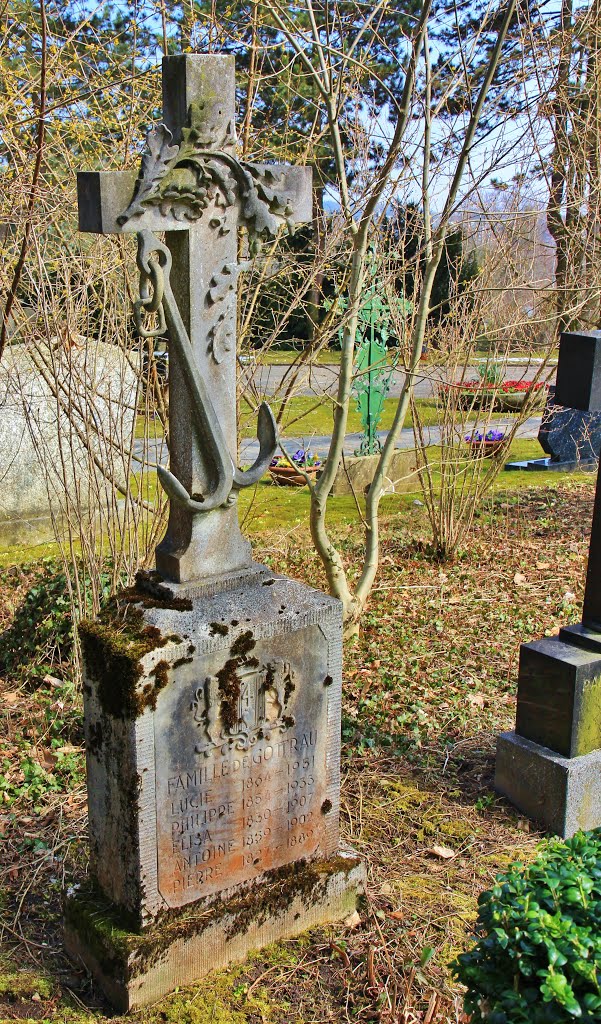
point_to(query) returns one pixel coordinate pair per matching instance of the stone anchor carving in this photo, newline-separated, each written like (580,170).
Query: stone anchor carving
(206,422)
(260,708)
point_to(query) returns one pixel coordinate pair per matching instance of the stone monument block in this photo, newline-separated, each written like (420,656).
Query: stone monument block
(550,767)
(559,696)
(561,794)
(213,747)
(86,394)
(212,689)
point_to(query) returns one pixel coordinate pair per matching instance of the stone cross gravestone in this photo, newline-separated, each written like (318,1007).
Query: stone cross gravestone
(550,767)
(212,688)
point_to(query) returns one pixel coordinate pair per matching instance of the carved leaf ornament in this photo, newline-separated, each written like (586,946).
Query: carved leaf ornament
(183,181)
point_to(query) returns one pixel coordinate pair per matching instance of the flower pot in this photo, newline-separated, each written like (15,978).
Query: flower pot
(289,476)
(487,449)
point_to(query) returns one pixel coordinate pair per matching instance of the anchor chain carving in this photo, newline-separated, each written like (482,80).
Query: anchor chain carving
(156,296)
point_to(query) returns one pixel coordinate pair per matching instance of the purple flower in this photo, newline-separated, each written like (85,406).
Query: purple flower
(491,435)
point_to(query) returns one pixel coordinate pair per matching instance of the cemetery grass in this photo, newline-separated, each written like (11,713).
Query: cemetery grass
(427,686)
(309,415)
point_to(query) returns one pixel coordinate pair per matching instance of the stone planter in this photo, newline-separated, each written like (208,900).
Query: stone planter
(496,400)
(356,473)
(468,400)
(288,476)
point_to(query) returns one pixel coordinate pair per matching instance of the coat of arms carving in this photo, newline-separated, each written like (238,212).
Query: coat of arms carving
(256,709)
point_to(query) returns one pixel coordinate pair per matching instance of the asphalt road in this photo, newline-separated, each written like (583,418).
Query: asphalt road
(267,381)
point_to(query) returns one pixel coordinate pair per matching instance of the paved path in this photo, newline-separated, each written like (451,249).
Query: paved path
(249,449)
(266,381)
(318,380)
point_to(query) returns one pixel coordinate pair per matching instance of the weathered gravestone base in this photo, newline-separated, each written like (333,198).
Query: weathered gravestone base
(550,767)
(135,969)
(213,748)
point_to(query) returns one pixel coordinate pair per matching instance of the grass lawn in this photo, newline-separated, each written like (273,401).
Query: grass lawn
(306,416)
(427,686)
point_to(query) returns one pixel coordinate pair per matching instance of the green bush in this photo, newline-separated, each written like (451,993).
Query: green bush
(40,636)
(537,959)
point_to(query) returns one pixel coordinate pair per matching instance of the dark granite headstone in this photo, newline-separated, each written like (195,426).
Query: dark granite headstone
(571,438)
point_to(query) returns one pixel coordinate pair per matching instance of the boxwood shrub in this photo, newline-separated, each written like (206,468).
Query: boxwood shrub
(537,958)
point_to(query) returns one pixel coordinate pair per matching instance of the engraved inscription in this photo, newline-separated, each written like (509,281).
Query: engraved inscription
(234,802)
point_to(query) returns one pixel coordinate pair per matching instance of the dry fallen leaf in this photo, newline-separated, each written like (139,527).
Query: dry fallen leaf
(519,579)
(397,915)
(543,565)
(444,852)
(353,920)
(47,758)
(10,697)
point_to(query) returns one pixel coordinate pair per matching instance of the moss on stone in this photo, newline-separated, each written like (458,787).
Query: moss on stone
(18,985)
(102,929)
(228,679)
(113,646)
(124,952)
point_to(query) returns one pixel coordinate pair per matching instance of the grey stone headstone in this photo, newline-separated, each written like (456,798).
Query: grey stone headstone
(212,690)
(47,443)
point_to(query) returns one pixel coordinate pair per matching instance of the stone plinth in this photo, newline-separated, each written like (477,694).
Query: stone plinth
(356,473)
(137,968)
(561,794)
(550,767)
(559,696)
(213,745)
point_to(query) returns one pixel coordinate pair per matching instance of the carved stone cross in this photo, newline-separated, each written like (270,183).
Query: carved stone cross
(193,187)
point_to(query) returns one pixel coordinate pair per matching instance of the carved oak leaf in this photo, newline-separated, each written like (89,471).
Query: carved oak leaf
(159,152)
(223,282)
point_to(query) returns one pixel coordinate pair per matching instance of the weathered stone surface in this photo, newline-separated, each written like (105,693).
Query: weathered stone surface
(208,194)
(135,969)
(43,442)
(356,473)
(212,691)
(559,696)
(213,739)
(560,794)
